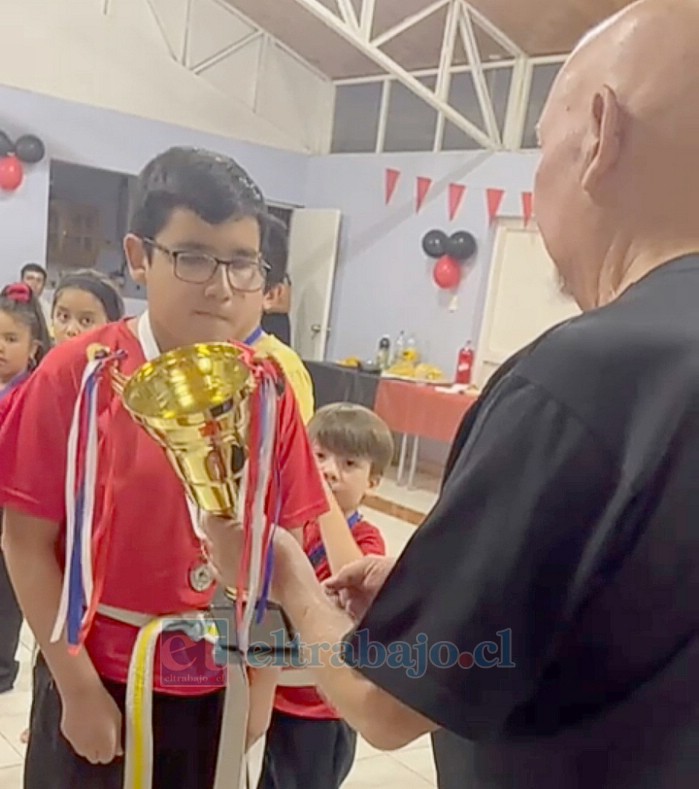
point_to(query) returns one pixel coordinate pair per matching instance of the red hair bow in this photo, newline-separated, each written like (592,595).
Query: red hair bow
(20,293)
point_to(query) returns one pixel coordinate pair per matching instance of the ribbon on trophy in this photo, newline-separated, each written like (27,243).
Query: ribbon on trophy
(77,593)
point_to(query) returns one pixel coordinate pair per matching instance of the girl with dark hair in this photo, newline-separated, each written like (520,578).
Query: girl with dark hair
(24,339)
(83,300)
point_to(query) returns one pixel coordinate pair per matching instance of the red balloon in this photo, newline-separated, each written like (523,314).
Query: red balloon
(11,173)
(447,273)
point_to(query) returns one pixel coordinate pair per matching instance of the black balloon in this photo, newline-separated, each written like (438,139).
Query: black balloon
(29,149)
(461,246)
(434,244)
(6,144)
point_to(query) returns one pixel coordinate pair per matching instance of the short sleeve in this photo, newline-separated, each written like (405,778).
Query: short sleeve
(301,493)
(369,539)
(33,441)
(488,580)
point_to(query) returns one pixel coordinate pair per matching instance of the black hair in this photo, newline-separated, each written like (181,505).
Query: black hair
(351,430)
(20,302)
(213,186)
(33,268)
(98,285)
(275,250)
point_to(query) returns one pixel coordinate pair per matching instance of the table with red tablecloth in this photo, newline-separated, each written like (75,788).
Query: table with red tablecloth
(419,410)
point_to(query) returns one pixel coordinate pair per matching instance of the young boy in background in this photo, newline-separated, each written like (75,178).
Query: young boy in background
(308,745)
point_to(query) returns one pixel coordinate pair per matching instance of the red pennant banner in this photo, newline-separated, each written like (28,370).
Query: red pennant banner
(527,207)
(456,196)
(423,187)
(494,202)
(392,178)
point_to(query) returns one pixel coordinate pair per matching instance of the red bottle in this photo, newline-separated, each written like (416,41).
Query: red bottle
(464,366)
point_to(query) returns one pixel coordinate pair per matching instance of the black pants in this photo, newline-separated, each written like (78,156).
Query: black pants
(10,625)
(307,754)
(185,734)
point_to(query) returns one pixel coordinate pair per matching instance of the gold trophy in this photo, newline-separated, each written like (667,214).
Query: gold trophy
(193,402)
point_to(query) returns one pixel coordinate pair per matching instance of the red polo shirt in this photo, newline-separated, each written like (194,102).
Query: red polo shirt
(140,510)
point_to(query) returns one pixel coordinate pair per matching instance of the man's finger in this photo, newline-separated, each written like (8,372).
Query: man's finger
(352,574)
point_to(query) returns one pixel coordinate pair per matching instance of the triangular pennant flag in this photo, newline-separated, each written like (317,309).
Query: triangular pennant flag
(392,178)
(423,187)
(494,201)
(456,195)
(527,207)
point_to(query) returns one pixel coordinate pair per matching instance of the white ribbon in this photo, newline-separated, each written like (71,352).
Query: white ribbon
(151,351)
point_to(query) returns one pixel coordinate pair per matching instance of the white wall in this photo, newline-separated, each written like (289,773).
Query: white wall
(193,63)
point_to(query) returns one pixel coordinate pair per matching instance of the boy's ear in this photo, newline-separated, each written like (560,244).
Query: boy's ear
(136,257)
(374,481)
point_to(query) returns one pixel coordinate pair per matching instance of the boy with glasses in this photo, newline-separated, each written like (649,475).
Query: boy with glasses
(194,243)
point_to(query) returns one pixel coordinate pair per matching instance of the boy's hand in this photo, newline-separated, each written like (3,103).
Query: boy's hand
(224,546)
(92,723)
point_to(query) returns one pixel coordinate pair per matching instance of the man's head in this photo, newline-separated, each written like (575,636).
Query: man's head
(34,275)
(618,135)
(192,212)
(353,447)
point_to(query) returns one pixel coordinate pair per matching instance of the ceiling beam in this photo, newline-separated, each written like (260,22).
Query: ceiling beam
(495,33)
(408,22)
(366,22)
(468,37)
(349,15)
(371,51)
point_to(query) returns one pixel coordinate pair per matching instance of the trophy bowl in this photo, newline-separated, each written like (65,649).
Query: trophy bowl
(193,402)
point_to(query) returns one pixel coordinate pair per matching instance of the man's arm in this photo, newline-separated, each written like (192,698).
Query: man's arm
(321,626)
(381,719)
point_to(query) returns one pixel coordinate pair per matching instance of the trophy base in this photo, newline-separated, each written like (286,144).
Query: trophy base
(273,641)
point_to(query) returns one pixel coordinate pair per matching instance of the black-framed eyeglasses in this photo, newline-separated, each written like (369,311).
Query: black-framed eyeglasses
(245,272)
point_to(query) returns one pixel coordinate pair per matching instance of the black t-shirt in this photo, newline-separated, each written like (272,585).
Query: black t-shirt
(565,545)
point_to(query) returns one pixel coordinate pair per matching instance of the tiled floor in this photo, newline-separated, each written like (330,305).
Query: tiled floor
(409,768)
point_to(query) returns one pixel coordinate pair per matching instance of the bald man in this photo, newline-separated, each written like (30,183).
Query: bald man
(544,618)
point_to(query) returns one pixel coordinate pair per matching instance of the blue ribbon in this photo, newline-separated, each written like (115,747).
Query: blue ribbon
(76,597)
(254,337)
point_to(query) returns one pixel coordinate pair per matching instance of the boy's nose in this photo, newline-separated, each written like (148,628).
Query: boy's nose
(330,469)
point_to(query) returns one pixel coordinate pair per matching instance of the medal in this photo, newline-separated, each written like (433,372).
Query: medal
(201,578)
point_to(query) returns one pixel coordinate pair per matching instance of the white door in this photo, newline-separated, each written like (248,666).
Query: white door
(314,236)
(524,298)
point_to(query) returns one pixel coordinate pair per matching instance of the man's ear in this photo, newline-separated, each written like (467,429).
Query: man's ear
(137,258)
(603,140)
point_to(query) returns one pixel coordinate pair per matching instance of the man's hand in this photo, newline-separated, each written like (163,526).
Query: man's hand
(357,584)
(91,722)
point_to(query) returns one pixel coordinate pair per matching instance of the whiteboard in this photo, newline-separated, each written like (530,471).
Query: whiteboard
(523,300)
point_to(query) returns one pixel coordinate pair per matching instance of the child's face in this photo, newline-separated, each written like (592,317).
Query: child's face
(182,312)
(349,478)
(75,312)
(17,347)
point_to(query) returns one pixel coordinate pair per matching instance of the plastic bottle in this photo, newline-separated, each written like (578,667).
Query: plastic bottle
(412,352)
(399,348)
(383,357)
